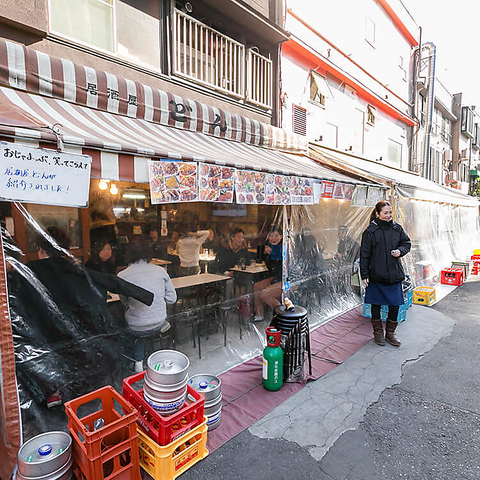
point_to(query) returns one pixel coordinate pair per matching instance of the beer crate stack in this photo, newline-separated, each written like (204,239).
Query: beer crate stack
(476,264)
(104,442)
(452,276)
(168,444)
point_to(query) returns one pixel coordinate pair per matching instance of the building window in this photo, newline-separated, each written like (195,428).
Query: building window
(370,31)
(371,115)
(394,153)
(476,137)
(317,85)
(468,125)
(89,21)
(299,120)
(422,104)
(111,26)
(445,134)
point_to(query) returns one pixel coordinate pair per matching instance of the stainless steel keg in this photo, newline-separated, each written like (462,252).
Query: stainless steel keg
(210,387)
(46,457)
(165,381)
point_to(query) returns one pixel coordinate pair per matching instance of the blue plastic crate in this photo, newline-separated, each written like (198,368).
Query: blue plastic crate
(402,311)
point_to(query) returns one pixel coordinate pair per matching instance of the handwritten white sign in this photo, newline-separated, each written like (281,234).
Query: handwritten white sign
(37,175)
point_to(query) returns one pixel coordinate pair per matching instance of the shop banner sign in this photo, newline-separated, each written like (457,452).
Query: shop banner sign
(277,189)
(348,191)
(327,189)
(250,187)
(302,191)
(47,177)
(216,184)
(338,191)
(172,181)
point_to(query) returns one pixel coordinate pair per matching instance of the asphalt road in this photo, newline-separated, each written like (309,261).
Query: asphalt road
(426,425)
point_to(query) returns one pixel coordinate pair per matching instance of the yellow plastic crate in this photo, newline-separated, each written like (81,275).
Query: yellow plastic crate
(424,295)
(170,461)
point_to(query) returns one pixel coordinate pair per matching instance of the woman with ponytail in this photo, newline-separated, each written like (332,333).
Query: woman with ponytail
(383,243)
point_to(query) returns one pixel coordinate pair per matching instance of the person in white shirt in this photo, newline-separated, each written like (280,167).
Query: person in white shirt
(189,249)
(146,321)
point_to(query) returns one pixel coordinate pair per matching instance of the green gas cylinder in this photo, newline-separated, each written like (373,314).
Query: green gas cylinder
(273,361)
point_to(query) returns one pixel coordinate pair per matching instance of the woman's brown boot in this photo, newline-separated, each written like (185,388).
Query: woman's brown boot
(390,333)
(378,336)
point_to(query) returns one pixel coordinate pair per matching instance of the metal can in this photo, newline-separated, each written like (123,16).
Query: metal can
(47,457)
(165,382)
(210,387)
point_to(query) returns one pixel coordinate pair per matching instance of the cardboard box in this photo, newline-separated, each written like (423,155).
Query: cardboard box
(424,295)
(466,265)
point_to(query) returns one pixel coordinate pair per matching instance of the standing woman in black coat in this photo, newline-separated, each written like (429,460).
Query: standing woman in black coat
(383,243)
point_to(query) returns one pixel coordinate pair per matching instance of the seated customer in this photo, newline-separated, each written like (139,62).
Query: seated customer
(269,291)
(101,259)
(232,252)
(189,249)
(146,321)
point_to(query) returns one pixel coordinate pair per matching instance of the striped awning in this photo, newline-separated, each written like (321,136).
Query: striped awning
(120,146)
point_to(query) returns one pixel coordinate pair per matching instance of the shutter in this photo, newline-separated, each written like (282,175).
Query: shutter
(299,120)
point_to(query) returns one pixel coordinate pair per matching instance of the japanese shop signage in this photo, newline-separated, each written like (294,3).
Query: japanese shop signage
(327,189)
(37,175)
(172,182)
(216,183)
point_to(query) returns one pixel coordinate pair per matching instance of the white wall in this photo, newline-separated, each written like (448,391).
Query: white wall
(342,123)
(344,23)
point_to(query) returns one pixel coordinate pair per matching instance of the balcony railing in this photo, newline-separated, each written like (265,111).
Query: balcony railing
(259,89)
(204,55)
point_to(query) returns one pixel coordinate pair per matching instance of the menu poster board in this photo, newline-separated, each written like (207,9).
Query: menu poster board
(338,191)
(172,181)
(41,176)
(348,191)
(277,189)
(302,191)
(250,187)
(327,189)
(216,183)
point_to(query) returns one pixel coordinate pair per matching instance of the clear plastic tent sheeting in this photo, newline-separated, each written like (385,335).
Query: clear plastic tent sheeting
(69,340)
(440,233)
(324,248)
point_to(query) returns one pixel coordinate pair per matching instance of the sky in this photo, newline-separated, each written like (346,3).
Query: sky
(452,25)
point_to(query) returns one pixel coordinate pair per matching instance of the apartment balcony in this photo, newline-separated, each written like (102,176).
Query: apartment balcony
(206,56)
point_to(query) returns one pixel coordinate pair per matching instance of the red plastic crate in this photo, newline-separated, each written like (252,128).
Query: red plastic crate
(164,429)
(105,442)
(452,276)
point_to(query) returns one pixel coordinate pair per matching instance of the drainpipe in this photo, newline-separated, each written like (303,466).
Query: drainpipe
(425,160)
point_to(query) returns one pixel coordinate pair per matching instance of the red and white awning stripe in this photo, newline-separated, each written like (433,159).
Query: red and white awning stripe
(29,70)
(120,146)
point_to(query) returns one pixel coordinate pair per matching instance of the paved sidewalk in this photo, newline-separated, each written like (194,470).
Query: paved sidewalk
(292,441)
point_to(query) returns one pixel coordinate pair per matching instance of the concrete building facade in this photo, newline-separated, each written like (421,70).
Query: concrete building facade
(221,53)
(346,79)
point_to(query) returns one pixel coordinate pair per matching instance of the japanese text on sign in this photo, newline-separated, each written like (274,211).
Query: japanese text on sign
(34,175)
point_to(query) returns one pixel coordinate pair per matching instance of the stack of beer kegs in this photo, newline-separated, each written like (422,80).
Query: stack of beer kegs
(166,381)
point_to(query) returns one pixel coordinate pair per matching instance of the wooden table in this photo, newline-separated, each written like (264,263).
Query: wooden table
(161,262)
(252,269)
(194,280)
